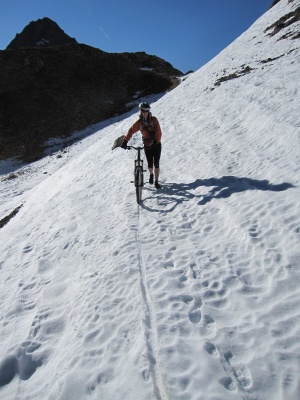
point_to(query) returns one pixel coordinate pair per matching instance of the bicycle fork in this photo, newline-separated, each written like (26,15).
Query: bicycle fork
(139,173)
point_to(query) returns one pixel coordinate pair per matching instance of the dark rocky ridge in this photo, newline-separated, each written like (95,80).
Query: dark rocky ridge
(57,89)
(41,33)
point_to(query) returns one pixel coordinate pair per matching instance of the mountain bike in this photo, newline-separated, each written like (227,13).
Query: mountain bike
(138,173)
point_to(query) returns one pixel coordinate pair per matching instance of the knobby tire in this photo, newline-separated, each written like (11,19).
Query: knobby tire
(139,184)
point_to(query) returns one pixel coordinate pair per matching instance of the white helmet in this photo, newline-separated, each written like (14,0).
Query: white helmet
(144,106)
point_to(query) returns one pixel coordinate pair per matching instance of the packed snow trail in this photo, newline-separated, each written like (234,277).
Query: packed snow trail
(93,289)
(150,321)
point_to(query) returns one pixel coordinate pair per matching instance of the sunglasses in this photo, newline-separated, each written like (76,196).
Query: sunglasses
(145,110)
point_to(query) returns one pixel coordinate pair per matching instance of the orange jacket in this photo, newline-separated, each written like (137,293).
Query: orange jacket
(150,130)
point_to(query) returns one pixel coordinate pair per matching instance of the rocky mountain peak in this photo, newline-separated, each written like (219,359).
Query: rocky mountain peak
(41,33)
(51,86)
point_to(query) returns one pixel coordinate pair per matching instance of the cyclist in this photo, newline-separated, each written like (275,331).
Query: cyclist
(149,126)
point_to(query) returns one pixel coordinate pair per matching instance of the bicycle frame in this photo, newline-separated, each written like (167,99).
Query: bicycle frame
(138,173)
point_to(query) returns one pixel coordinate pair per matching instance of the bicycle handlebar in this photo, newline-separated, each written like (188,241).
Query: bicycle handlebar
(135,148)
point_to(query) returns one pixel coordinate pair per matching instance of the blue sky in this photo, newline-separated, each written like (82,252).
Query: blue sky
(185,33)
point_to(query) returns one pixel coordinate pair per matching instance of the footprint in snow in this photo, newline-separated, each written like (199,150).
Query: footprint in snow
(228,383)
(195,311)
(20,362)
(169,264)
(170,252)
(186,298)
(194,274)
(211,349)
(183,278)
(208,325)
(238,375)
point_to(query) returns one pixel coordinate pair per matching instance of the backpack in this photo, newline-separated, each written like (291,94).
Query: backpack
(149,128)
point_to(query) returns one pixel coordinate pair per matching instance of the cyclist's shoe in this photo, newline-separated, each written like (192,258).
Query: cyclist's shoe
(151,179)
(157,185)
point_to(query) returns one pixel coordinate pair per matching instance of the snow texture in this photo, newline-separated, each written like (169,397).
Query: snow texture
(193,295)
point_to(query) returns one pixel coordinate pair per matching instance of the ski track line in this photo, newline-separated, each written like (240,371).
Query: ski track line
(150,323)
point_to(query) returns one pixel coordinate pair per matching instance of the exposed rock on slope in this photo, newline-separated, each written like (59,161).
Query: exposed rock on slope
(54,90)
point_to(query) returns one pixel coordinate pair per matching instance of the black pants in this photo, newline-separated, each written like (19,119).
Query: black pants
(153,155)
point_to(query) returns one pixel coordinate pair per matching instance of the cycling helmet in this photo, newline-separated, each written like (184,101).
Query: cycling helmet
(144,106)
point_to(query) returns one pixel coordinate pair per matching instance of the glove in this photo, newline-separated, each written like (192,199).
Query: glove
(124,145)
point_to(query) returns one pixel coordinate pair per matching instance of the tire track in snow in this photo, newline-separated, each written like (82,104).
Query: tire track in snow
(150,324)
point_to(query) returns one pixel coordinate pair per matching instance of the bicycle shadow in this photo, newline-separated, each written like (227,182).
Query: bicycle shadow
(172,194)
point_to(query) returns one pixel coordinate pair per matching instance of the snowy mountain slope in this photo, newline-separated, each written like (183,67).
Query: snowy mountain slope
(193,295)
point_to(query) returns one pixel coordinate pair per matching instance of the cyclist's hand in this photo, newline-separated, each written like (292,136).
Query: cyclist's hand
(124,145)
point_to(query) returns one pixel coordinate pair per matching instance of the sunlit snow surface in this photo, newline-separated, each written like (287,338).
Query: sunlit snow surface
(193,295)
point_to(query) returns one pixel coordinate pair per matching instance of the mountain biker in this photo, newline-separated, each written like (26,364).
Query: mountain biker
(151,132)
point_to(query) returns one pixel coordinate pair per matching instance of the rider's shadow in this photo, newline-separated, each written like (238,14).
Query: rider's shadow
(221,188)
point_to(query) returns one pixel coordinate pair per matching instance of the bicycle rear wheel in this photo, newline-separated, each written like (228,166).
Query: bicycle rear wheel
(139,184)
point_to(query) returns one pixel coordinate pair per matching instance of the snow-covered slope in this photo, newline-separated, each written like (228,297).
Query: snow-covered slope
(193,295)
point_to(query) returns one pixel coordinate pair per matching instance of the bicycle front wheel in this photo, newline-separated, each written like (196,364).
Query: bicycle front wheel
(139,184)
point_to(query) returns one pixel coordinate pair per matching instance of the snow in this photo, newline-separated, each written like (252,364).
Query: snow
(193,295)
